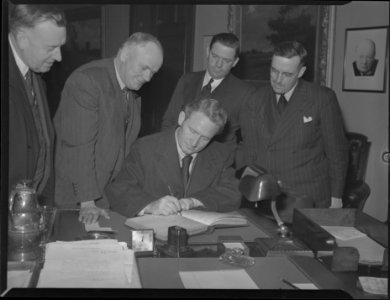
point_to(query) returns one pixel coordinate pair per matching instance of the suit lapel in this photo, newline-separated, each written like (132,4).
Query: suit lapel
(203,170)
(293,112)
(168,166)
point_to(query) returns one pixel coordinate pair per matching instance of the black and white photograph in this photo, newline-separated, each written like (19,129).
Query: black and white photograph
(194,149)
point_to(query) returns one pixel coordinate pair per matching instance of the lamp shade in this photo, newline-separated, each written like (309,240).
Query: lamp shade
(258,188)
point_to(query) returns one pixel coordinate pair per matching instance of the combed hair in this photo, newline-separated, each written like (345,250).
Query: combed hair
(24,15)
(290,49)
(211,108)
(141,38)
(227,39)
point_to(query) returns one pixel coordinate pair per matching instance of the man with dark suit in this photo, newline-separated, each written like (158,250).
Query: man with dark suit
(97,121)
(365,63)
(231,92)
(294,130)
(151,181)
(36,35)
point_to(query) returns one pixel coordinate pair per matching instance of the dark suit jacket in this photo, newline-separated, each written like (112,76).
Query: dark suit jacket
(305,147)
(231,93)
(91,138)
(23,137)
(152,169)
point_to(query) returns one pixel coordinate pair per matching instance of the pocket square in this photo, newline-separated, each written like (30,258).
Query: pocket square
(307,119)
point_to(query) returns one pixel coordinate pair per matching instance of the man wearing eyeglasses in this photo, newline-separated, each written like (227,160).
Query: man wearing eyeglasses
(294,130)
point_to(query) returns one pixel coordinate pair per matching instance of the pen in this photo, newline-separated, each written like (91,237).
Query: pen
(289,284)
(171,192)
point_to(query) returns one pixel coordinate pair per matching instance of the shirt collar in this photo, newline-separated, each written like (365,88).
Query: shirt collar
(121,84)
(23,68)
(207,78)
(289,93)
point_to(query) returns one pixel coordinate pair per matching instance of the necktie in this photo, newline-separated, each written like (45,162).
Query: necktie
(185,168)
(282,103)
(206,90)
(30,86)
(127,104)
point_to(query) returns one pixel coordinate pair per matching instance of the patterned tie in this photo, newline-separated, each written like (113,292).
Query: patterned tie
(185,168)
(127,106)
(30,86)
(282,103)
(206,90)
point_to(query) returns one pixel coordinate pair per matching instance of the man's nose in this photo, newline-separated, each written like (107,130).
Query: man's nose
(57,54)
(219,63)
(147,75)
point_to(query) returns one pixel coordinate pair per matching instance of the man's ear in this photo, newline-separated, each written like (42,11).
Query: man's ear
(301,72)
(235,62)
(182,116)
(22,39)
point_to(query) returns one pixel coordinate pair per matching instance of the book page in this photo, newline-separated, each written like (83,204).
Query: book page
(219,279)
(160,224)
(213,218)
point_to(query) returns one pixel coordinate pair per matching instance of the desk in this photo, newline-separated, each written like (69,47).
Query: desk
(68,228)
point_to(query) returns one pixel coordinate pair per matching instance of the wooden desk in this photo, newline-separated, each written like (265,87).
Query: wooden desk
(68,228)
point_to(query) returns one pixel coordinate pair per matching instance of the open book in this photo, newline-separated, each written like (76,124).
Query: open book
(194,221)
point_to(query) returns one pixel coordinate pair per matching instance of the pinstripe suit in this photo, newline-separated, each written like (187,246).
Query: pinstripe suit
(305,147)
(91,138)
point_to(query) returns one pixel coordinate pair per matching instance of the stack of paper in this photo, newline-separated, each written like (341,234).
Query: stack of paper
(104,263)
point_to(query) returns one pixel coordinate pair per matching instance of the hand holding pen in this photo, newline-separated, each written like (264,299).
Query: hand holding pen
(173,195)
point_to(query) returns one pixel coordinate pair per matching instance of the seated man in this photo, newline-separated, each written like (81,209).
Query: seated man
(151,181)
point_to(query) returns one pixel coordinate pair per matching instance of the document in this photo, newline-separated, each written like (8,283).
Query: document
(194,221)
(87,264)
(344,233)
(374,285)
(221,279)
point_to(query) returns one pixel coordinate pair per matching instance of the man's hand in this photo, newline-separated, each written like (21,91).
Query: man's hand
(90,213)
(189,203)
(336,203)
(167,205)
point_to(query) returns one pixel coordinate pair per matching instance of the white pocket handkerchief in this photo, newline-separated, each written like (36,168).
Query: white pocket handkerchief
(307,119)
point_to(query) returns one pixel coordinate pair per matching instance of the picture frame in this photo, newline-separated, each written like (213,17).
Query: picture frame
(319,40)
(142,240)
(365,59)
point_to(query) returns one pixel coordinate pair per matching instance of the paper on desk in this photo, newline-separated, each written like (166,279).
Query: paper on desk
(374,285)
(221,279)
(344,233)
(87,264)
(18,278)
(370,252)
(96,227)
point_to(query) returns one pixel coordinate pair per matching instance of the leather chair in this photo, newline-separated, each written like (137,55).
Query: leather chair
(356,189)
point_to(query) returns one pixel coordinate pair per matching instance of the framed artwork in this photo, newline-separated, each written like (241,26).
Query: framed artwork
(365,59)
(260,27)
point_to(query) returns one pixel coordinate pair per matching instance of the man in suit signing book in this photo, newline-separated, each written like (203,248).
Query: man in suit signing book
(179,169)
(294,130)
(217,82)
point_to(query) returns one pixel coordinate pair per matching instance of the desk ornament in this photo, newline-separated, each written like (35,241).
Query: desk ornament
(25,223)
(142,241)
(237,257)
(177,245)
(258,185)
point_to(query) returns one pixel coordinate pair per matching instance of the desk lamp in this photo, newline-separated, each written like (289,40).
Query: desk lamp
(257,185)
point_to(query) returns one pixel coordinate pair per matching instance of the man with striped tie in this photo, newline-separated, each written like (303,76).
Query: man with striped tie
(36,34)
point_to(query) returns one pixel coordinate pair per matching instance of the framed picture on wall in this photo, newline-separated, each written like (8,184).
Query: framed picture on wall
(365,59)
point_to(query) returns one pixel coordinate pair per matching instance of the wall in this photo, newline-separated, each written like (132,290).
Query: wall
(364,112)
(209,20)
(116,22)
(367,113)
